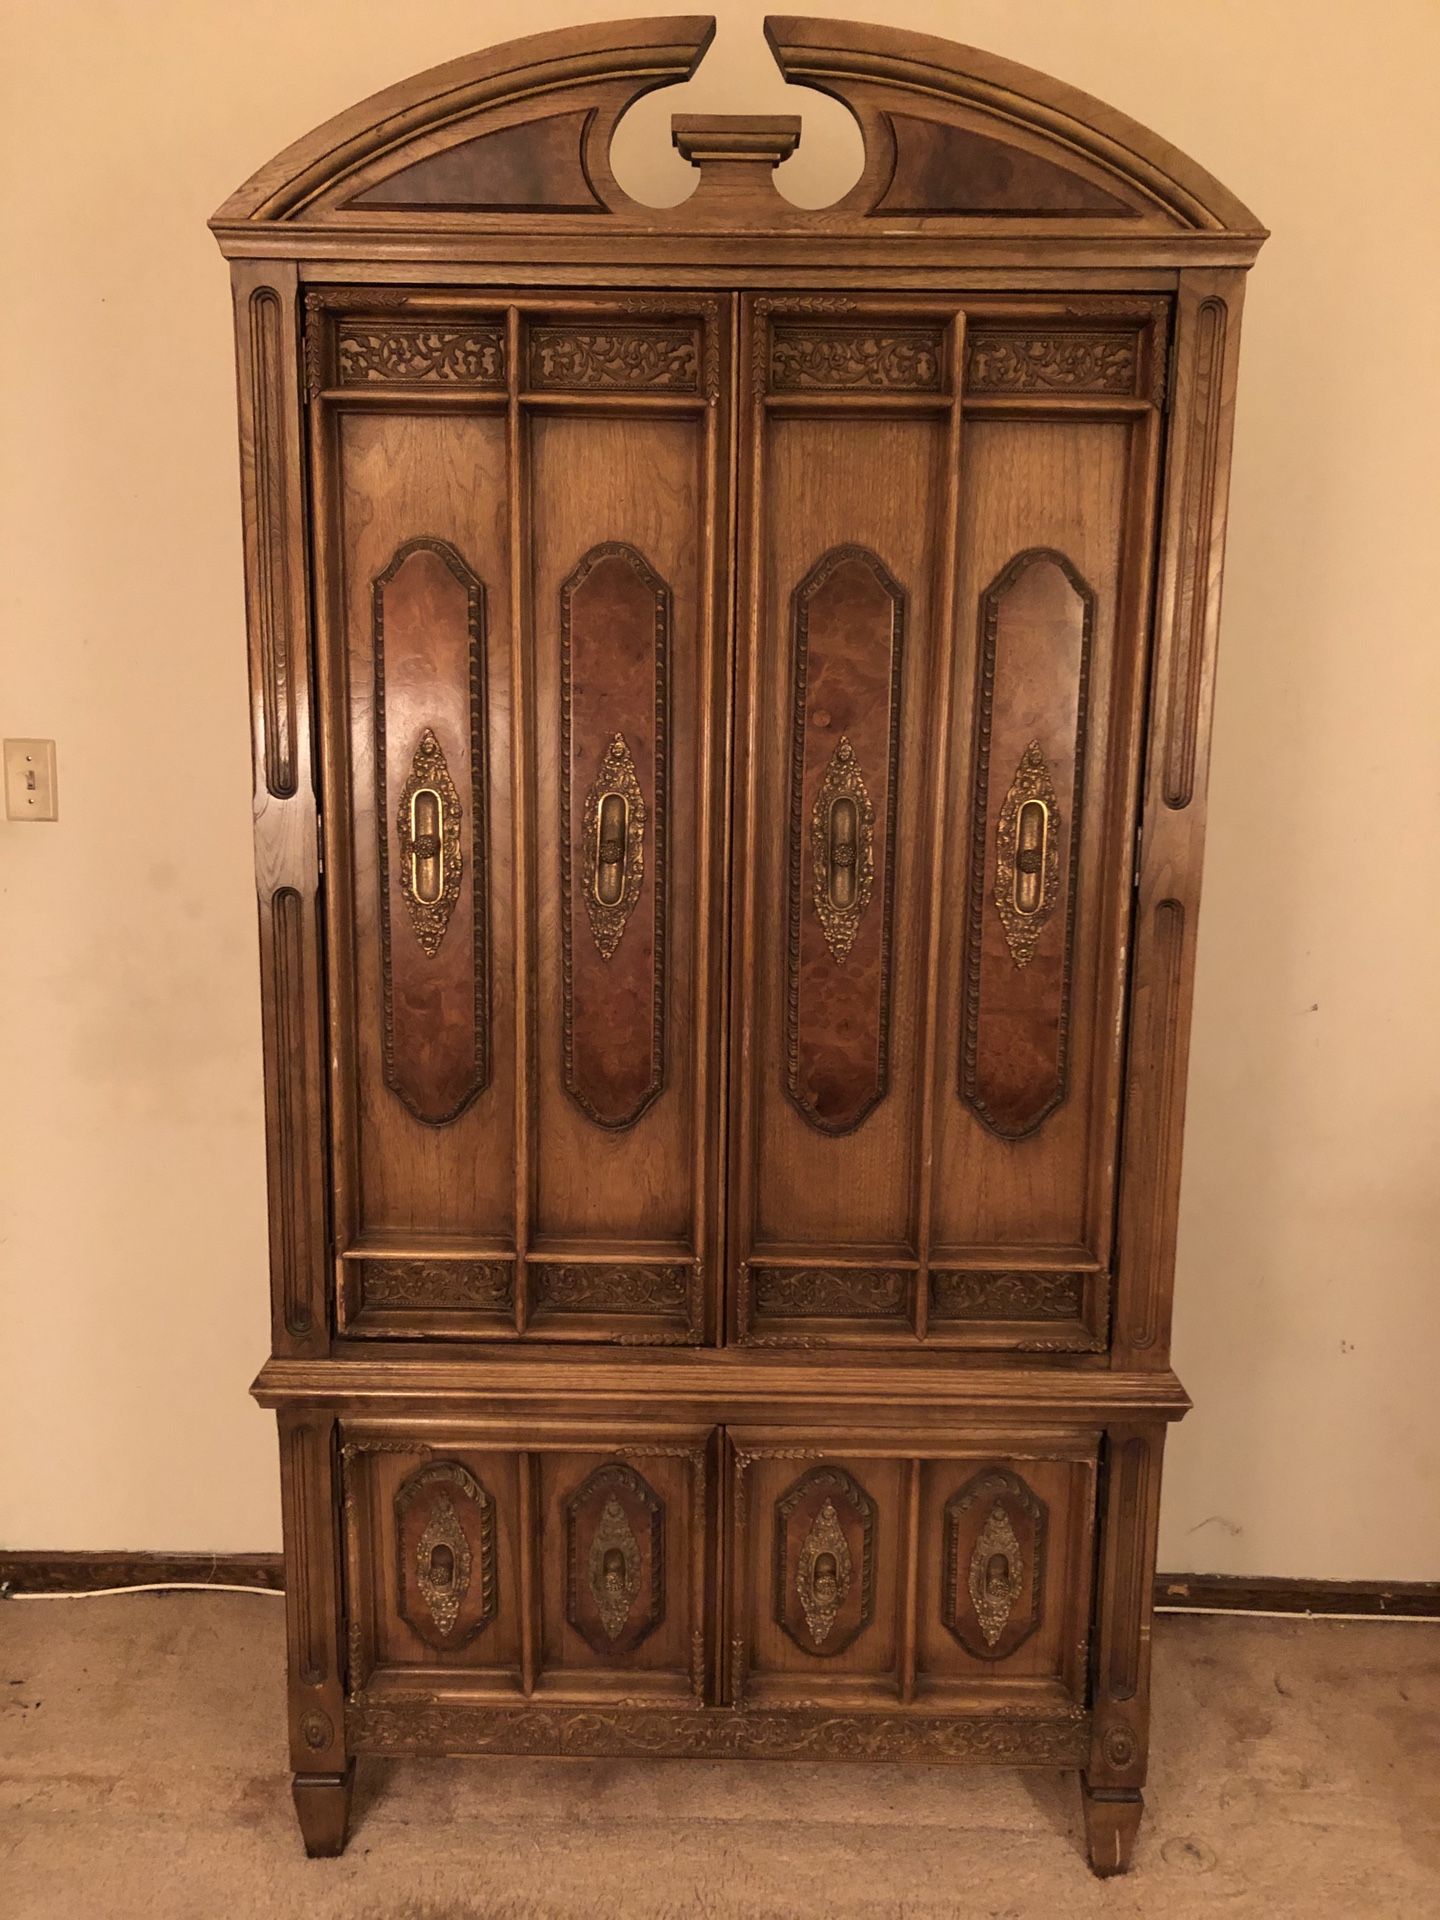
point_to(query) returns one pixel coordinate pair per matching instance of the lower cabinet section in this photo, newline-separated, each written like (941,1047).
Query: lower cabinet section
(550,1564)
(878,1571)
(695,1589)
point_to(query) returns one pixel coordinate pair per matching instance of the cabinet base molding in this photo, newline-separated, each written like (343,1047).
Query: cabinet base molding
(423,1725)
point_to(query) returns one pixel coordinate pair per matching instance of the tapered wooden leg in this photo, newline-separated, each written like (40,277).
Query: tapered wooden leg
(1120,1646)
(1112,1820)
(322,1802)
(324,1770)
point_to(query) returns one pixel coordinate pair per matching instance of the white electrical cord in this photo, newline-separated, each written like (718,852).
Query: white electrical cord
(156,1586)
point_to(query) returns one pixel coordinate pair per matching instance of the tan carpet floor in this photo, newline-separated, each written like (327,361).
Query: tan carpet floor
(1295,1773)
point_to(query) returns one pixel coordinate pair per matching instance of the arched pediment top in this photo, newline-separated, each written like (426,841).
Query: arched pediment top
(576,75)
(928,106)
(957,143)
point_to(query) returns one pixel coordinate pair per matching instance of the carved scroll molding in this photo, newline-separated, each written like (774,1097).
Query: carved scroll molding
(615,1560)
(609,358)
(429,607)
(848,616)
(445,1555)
(418,353)
(1036,627)
(271,596)
(825,1561)
(1004,361)
(443,1285)
(595,1289)
(420,1725)
(994,1564)
(958,1295)
(799,1293)
(615,613)
(837,359)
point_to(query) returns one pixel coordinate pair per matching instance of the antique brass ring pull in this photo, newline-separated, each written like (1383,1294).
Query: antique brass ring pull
(844,839)
(610,845)
(427,846)
(1032,834)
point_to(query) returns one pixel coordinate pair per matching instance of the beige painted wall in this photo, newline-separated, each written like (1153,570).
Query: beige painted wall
(132,1236)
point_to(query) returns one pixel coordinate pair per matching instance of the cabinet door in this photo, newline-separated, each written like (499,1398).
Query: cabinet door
(946,532)
(523,535)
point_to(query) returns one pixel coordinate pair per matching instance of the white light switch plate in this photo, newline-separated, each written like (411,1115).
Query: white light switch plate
(30,780)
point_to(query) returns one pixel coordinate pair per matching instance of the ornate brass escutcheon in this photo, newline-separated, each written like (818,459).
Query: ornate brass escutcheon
(428,826)
(614,828)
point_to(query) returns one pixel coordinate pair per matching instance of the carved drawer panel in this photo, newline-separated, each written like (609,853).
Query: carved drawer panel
(516,1563)
(879,1568)
(622,1565)
(432,1537)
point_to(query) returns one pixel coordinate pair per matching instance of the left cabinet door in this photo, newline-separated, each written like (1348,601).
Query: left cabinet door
(521,535)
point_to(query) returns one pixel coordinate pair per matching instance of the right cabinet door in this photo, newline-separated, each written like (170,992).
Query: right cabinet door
(946,518)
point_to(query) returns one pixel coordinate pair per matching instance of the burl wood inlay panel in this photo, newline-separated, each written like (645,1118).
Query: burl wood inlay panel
(614,640)
(430,737)
(849,625)
(1035,628)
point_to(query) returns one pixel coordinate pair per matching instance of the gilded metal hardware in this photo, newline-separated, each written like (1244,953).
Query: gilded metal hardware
(1027,866)
(823,1578)
(614,828)
(428,824)
(442,1565)
(996,1574)
(842,850)
(614,1568)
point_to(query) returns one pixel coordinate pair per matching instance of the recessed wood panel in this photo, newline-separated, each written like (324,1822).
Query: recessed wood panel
(614,1560)
(1036,621)
(614,711)
(433,1544)
(816,1571)
(832,834)
(621,800)
(1039,829)
(419,512)
(993,1573)
(1005,1550)
(620,1569)
(848,617)
(432,830)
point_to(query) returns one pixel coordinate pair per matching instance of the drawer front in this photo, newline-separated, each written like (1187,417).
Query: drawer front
(866,1569)
(568,1563)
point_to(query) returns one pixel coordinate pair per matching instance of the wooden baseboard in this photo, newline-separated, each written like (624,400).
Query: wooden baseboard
(1177,1592)
(87,1572)
(1235,1593)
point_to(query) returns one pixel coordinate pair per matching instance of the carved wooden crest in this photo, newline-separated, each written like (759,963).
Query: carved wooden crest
(825,1561)
(994,1564)
(445,1554)
(615,1559)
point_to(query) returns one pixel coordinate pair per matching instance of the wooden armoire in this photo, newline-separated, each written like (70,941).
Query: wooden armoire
(731,697)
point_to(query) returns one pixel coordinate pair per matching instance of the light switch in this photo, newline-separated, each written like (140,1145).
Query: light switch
(30,780)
